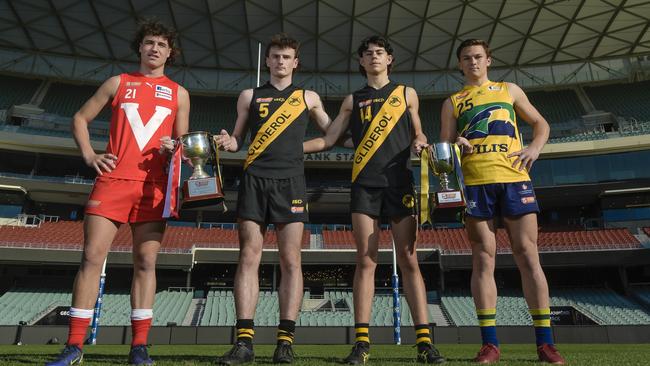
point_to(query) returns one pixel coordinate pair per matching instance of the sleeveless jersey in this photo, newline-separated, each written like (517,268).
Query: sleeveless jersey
(143,111)
(390,164)
(278,121)
(486,117)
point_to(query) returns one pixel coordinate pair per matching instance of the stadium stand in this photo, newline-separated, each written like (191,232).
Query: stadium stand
(69,235)
(628,100)
(604,306)
(16,91)
(455,241)
(65,99)
(557,106)
(642,293)
(30,305)
(220,310)
(212,113)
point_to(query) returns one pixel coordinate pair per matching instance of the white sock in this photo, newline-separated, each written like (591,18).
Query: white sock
(81,313)
(141,314)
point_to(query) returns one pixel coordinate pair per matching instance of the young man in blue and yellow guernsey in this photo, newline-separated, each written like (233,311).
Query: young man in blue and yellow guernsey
(385,126)
(482,119)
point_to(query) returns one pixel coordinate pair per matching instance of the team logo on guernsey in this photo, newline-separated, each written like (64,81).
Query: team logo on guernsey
(395,101)
(294,101)
(408,201)
(163,92)
(263,100)
(491,120)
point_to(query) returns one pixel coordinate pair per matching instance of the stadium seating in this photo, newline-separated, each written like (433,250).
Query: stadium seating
(455,241)
(16,91)
(220,310)
(212,113)
(604,306)
(69,235)
(65,99)
(30,304)
(557,106)
(642,293)
(627,100)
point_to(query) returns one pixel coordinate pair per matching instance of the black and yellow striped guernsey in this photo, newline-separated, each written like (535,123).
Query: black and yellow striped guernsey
(381,131)
(278,120)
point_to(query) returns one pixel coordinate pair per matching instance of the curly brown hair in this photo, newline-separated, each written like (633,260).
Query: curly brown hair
(282,41)
(154,27)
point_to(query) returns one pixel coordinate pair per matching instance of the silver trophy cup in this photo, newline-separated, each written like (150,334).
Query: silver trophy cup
(197,147)
(442,163)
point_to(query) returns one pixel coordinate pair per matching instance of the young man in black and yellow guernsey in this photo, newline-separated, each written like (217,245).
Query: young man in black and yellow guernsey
(482,119)
(272,190)
(385,126)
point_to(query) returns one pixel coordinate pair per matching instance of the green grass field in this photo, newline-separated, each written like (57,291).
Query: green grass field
(597,354)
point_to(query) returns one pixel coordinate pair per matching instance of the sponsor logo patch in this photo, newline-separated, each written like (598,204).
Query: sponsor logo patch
(527,200)
(297,209)
(263,100)
(163,92)
(494,87)
(133,83)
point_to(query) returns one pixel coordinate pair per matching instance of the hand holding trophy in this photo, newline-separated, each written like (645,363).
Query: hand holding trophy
(445,163)
(201,189)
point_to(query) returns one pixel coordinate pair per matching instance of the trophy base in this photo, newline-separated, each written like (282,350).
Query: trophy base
(203,193)
(449,199)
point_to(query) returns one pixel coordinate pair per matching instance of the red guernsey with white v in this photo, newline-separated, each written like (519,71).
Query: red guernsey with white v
(144,110)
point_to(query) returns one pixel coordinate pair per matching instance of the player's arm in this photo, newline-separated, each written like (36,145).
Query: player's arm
(413,107)
(181,124)
(334,132)
(316,111)
(448,126)
(526,111)
(85,115)
(233,142)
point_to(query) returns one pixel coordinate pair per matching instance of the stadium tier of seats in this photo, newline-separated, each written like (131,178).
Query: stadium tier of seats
(66,99)
(627,100)
(603,306)
(557,106)
(16,91)
(69,235)
(220,310)
(29,305)
(456,241)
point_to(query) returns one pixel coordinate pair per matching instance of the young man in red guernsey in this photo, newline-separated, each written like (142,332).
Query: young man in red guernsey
(147,108)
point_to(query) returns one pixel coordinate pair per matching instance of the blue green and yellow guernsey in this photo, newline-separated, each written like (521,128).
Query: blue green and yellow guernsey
(486,117)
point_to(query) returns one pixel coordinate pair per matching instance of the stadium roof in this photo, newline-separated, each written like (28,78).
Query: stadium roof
(224,35)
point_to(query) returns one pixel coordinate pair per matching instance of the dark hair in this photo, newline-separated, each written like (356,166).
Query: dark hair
(154,27)
(282,41)
(379,41)
(473,42)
